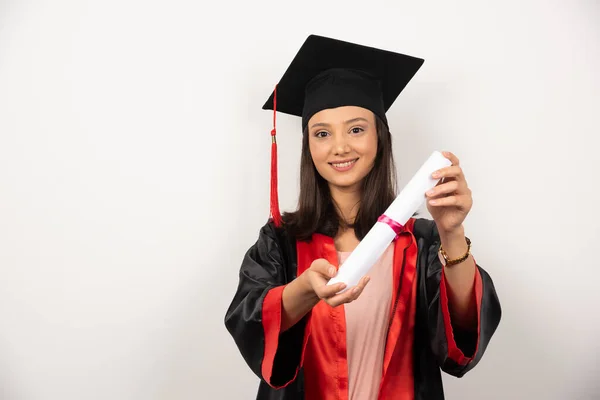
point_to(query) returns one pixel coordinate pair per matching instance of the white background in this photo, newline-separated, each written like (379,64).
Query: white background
(134,167)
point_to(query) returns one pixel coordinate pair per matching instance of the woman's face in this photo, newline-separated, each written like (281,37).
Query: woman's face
(343,145)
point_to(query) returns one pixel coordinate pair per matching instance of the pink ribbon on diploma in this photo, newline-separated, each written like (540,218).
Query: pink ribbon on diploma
(396,227)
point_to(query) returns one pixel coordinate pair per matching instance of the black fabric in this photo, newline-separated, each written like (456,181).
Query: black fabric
(431,347)
(341,87)
(329,73)
(271,262)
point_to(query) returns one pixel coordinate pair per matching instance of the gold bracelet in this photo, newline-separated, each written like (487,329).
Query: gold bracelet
(456,260)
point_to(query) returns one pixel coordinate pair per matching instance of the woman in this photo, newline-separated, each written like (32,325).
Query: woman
(425,306)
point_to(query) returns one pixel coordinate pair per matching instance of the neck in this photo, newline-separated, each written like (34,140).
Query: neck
(347,201)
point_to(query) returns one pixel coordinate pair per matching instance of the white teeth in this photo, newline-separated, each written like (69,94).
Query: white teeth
(344,165)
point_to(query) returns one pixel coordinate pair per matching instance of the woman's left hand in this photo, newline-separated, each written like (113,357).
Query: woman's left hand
(450,200)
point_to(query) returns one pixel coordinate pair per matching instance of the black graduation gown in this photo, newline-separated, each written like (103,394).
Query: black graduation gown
(273,262)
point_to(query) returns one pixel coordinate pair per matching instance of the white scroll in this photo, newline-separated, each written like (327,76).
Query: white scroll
(382,234)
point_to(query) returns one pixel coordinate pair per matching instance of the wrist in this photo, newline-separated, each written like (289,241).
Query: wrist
(454,242)
(453,233)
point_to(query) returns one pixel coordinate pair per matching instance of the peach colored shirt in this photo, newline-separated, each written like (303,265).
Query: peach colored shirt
(367,320)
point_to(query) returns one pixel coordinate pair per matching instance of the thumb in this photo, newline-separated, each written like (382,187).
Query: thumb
(324,267)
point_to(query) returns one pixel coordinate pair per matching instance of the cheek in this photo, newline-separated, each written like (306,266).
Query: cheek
(368,147)
(318,152)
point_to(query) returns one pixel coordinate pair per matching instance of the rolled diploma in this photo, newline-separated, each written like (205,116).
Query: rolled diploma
(380,236)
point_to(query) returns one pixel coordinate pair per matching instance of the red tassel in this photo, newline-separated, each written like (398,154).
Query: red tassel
(275,213)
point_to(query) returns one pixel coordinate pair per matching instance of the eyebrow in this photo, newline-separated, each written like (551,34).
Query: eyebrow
(350,121)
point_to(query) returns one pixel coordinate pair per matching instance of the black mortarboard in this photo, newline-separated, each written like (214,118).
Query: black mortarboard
(329,73)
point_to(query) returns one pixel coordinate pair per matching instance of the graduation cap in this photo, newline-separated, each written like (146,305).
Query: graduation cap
(328,73)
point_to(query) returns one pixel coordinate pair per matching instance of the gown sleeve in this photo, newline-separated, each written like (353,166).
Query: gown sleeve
(457,351)
(254,316)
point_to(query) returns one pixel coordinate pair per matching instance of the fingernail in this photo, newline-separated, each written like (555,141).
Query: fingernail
(355,290)
(331,271)
(436,174)
(434,202)
(431,192)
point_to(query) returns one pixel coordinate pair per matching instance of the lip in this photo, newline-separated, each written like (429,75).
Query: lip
(352,162)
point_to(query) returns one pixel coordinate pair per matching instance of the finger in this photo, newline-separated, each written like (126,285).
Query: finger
(358,289)
(323,267)
(453,171)
(363,282)
(456,201)
(328,291)
(342,298)
(450,156)
(349,295)
(443,189)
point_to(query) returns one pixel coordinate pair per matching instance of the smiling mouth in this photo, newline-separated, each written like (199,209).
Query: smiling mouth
(343,166)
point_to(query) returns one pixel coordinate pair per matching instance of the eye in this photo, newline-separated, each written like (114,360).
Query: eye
(356,130)
(321,134)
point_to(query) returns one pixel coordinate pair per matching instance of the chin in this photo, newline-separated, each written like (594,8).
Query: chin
(344,184)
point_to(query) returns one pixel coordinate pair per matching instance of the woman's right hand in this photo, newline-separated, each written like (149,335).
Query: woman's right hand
(306,291)
(320,272)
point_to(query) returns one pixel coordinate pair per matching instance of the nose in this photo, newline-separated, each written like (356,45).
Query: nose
(341,145)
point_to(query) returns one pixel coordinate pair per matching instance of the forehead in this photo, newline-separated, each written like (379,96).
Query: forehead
(340,115)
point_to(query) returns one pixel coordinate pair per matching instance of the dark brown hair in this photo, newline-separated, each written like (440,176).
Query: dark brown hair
(316,211)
